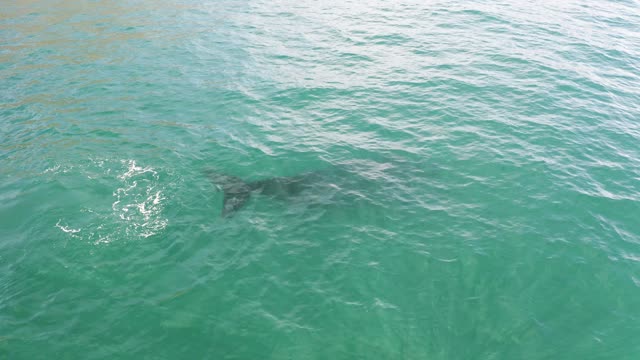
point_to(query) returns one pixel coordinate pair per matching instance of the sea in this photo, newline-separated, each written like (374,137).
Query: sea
(476,188)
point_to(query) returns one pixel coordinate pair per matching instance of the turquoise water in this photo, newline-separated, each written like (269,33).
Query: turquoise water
(477,197)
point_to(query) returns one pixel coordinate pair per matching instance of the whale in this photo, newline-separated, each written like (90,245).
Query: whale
(338,184)
(238,191)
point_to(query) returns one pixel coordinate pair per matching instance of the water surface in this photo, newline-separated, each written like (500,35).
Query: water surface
(480,193)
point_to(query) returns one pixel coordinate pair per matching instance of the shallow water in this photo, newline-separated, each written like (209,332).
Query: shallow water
(479,197)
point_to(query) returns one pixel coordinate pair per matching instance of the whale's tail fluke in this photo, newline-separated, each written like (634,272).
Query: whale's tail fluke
(236,192)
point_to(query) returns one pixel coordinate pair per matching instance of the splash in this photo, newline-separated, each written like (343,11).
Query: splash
(139,201)
(136,209)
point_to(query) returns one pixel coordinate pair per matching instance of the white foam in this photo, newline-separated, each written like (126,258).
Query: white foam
(67,229)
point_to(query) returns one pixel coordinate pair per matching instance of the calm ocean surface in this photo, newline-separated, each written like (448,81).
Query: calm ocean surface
(477,197)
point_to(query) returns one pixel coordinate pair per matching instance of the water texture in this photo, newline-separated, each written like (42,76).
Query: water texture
(478,192)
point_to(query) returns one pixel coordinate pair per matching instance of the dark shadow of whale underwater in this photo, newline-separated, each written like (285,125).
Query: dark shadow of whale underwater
(343,184)
(237,191)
